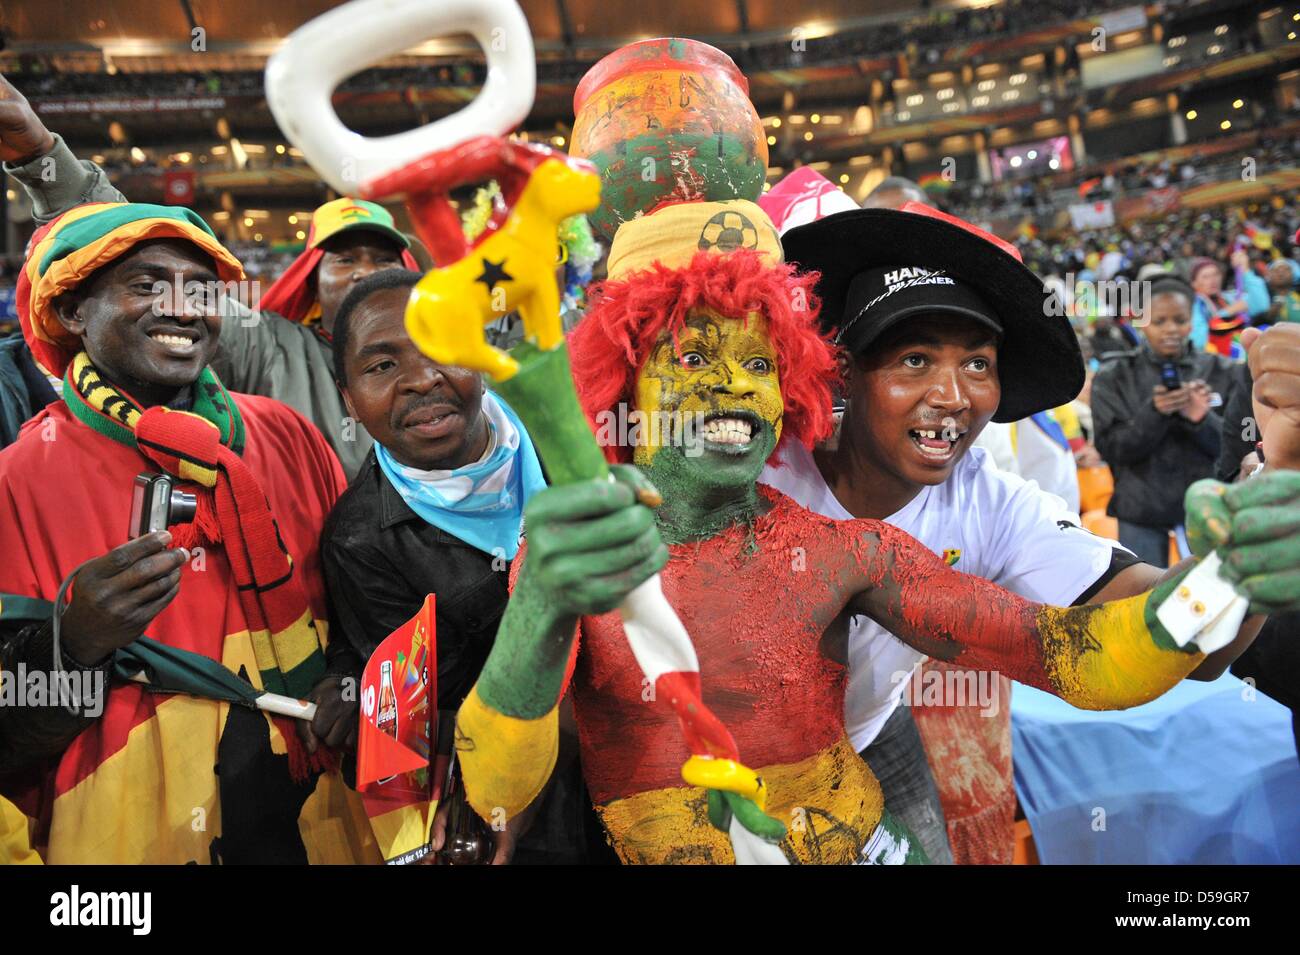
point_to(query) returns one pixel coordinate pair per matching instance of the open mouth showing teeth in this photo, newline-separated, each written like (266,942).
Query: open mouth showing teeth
(171,340)
(421,419)
(427,417)
(727,429)
(935,443)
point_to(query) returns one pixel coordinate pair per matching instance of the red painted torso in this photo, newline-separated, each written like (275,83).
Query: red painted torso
(756,617)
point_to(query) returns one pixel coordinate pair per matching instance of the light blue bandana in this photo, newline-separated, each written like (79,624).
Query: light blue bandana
(481,503)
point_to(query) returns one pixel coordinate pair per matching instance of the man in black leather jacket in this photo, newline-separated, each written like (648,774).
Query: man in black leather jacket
(381,558)
(1156,414)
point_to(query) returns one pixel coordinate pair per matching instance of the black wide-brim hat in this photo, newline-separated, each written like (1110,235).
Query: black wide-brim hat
(866,256)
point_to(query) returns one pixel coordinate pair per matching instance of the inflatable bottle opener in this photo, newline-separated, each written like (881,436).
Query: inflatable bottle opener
(302,75)
(509,267)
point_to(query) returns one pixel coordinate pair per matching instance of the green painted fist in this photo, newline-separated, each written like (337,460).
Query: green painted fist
(591,543)
(1255,526)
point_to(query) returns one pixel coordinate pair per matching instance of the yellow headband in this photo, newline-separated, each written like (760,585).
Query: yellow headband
(672,235)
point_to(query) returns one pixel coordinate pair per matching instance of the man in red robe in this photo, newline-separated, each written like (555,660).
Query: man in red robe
(111,296)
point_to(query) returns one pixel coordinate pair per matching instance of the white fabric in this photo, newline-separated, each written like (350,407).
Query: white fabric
(996,440)
(1007,531)
(1042,460)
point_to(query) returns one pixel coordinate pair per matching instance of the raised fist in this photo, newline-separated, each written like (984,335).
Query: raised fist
(23,137)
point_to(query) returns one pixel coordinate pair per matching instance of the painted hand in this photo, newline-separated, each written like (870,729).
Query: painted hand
(1208,519)
(1262,557)
(592,543)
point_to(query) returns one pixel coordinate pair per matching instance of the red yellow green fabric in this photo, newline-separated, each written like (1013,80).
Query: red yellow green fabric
(138,786)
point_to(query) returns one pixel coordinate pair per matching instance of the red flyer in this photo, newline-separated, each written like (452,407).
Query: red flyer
(397,775)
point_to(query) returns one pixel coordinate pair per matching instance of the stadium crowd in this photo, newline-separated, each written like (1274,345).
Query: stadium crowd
(344,497)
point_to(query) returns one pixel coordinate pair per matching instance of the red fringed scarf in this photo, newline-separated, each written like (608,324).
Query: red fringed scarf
(290,658)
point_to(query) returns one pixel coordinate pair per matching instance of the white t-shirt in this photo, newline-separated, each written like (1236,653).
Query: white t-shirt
(1001,527)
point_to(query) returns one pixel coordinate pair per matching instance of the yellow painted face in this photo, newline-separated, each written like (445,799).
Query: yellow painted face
(717,391)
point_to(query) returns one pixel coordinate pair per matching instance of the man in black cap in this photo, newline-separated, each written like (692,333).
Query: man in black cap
(945,330)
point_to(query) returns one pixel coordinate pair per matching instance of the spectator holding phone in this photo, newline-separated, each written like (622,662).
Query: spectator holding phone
(1156,421)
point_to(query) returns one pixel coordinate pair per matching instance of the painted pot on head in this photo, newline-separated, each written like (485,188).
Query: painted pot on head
(667,120)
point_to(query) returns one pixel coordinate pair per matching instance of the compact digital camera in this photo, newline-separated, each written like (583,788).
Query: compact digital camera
(156,504)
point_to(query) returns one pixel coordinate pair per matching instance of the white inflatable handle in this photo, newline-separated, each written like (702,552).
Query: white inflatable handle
(270,702)
(302,76)
(286,706)
(753,850)
(655,633)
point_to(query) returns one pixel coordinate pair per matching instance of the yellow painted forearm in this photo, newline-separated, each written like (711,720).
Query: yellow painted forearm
(1104,657)
(505,761)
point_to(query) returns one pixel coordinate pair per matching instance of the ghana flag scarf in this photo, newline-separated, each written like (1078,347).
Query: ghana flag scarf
(203,445)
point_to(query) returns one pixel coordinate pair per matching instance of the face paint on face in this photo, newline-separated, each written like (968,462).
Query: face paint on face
(711,404)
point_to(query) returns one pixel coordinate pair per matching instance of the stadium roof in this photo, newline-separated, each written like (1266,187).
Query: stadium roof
(249,27)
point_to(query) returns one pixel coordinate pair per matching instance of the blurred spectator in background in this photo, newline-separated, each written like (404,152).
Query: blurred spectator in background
(1285,307)
(894,192)
(1047,445)
(1218,313)
(1155,421)
(24,388)
(1106,338)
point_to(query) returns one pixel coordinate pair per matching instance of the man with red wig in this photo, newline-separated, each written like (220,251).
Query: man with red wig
(710,341)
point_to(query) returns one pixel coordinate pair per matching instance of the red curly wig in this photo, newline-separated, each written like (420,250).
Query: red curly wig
(611,344)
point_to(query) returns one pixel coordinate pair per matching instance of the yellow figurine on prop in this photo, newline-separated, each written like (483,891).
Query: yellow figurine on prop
(510,267)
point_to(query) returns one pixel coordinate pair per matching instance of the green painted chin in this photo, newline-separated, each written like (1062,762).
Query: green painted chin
(700,464)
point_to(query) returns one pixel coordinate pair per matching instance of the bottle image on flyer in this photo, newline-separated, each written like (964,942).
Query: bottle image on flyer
(386,718)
